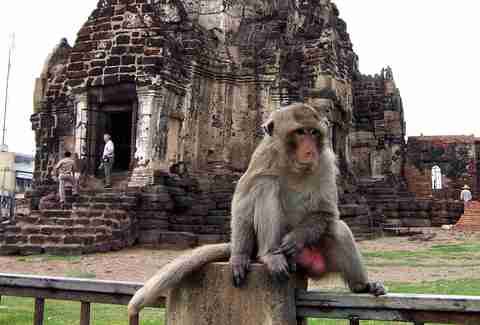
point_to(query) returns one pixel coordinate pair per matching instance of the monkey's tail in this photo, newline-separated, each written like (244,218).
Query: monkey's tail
(172,273)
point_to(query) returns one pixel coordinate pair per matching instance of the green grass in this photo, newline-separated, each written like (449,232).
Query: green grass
(46,258)
(467,254)
(80,274)
(19,311)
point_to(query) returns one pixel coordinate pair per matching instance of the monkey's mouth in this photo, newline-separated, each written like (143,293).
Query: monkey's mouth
(304,166)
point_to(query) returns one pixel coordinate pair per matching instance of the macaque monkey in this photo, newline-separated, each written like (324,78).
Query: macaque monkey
(284,214)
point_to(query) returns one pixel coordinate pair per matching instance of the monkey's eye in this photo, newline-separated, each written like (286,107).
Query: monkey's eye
(314,132)
(301,131)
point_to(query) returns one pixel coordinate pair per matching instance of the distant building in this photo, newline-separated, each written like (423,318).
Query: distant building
(23,172)
(7,184)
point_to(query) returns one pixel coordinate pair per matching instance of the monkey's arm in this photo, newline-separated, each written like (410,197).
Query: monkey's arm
(243,236)
(307,232)
(258,218)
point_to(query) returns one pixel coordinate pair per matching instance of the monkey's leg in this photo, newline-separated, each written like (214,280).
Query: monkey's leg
(242,242)
(270,227)
(343,256)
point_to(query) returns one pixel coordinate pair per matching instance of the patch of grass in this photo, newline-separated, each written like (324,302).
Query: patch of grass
(463,287)
(19,311)
(435,256)
(47,257)
(80,274)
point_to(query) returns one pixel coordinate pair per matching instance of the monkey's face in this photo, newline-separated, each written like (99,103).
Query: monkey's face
(304,147)
(302,130)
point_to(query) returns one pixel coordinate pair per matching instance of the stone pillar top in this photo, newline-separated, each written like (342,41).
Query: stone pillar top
(208,297)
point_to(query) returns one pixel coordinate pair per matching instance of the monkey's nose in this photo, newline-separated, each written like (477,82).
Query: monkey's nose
(308,155)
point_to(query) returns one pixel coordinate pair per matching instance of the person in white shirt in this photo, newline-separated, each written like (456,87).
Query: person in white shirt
(108,159)
(466,195)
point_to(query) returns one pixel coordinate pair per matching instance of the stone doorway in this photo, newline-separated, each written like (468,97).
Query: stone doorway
(116,120)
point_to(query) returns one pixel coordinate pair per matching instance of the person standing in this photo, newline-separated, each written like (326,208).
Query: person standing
(108,159)
(466,195)
(65,171)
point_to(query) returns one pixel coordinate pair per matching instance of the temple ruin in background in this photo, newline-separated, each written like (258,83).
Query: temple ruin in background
(183,87)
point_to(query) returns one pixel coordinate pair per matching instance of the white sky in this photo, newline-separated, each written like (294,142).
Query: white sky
(432,46)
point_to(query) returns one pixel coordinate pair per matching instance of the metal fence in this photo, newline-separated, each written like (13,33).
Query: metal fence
(332,308)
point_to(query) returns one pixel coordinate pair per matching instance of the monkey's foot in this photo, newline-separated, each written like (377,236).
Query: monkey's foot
(374,288)
(277,265)
(240,267)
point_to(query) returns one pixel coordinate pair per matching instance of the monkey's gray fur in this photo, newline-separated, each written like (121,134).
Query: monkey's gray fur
(279,207)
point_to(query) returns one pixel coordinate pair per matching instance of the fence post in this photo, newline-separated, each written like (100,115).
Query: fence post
(39,311)
(85,313)
(354,321)
(208,297)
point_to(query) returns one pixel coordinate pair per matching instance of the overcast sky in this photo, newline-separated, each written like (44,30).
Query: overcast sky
(432,46)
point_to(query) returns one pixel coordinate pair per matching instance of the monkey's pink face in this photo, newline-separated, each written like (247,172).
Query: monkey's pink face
(307,145)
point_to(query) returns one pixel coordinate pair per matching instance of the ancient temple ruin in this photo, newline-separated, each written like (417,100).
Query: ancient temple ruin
(190,81)
(188,84)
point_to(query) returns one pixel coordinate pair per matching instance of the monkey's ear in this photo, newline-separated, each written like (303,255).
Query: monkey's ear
(268,127)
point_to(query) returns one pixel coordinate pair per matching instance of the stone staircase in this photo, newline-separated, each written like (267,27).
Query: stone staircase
(96,222)
(393,207)
(470,220)
(384,197)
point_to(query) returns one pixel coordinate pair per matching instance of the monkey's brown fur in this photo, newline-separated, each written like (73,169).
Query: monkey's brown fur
(284,212)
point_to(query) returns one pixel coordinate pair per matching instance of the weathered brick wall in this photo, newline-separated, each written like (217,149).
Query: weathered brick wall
(456,157)
(97,223)
(379,127)
(219,74)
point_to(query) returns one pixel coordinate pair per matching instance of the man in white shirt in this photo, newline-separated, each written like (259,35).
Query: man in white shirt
(466,195)
(107,159)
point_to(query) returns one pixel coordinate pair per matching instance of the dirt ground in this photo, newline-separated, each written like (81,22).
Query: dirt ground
(138,264)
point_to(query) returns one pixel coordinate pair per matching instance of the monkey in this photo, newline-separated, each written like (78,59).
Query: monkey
(284,214)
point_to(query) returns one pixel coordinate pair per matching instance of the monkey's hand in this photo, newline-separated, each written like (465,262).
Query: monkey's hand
(291,246)
(277,265)
(240,267)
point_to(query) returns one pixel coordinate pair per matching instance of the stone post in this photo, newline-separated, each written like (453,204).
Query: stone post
(81,111)
(149,104)
(208,297)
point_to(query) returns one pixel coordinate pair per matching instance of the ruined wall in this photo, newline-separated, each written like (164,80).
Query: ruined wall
(455,155)
(200,76)
(378,139)
(198,79)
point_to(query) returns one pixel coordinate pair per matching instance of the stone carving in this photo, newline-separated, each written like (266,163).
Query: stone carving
(133,20)
(167,11)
